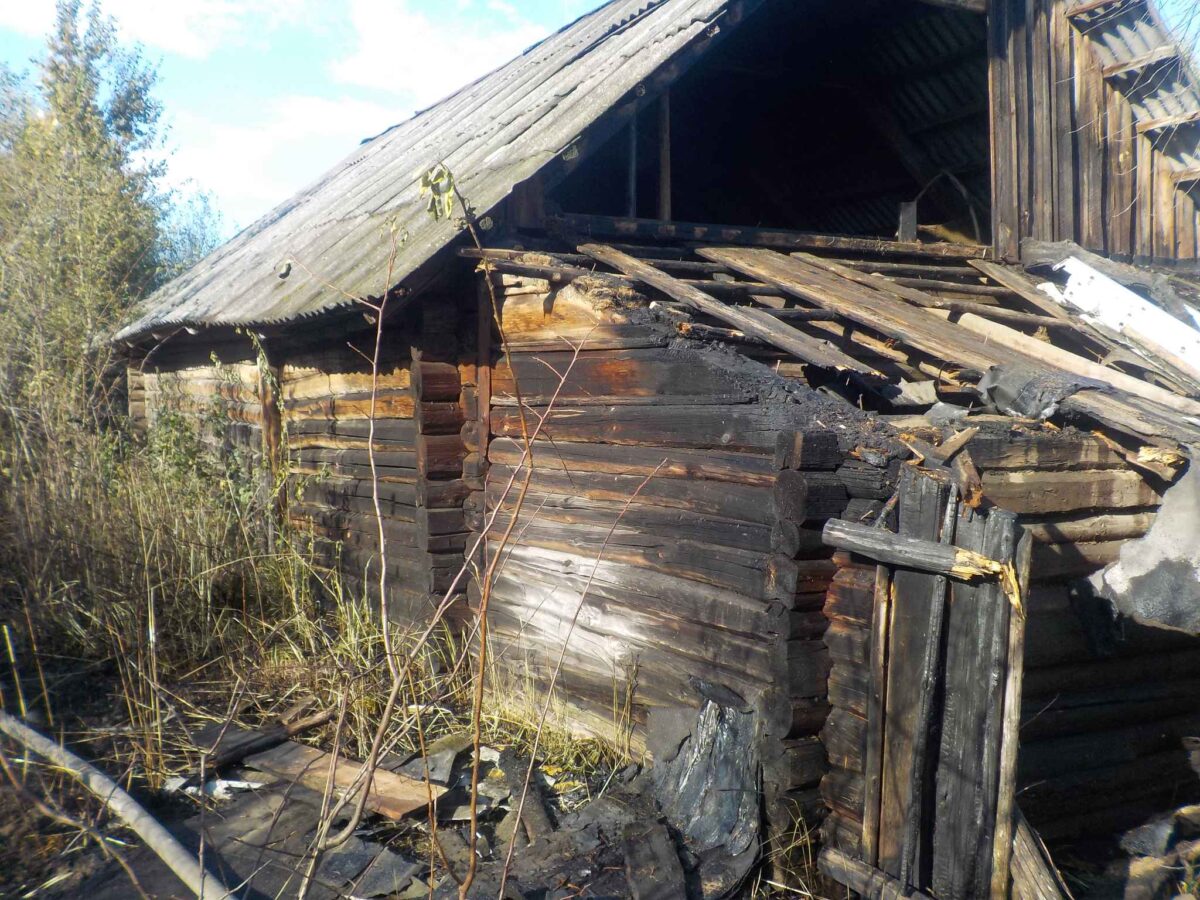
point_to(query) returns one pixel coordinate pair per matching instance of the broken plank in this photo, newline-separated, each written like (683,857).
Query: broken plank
(752,321)
(392,796)
(904,551)
(873,309)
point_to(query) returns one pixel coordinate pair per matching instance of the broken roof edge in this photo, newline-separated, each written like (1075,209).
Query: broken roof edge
(208,294)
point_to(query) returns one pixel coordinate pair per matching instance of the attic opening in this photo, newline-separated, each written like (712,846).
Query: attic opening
(817,116)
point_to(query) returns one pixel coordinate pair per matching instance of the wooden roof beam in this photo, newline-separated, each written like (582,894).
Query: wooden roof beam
(654,229)
(1082,9)
(1187,176)
(751,321)
(1165,53)
(974,6)
(1168,122)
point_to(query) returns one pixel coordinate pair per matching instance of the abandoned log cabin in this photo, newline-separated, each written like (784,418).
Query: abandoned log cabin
(946,238)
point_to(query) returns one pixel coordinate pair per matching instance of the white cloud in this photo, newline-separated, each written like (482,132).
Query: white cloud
(423,56)
(190,28)
(254,167)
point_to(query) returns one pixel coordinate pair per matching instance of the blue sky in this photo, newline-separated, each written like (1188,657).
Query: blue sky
(262,96)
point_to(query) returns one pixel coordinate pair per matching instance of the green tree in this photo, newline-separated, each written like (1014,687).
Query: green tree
(84,231)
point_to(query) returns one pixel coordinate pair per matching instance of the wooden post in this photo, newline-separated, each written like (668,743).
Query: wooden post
(664,157)
(631,188)
(269,375)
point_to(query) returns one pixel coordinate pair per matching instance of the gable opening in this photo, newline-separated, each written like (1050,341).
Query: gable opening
(816,116)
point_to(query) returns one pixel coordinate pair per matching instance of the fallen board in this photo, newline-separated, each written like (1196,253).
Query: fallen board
(392,796)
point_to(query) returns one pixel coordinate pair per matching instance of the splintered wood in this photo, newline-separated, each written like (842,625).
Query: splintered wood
(942,705)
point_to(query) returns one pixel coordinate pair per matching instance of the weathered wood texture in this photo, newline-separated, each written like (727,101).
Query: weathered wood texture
(397,438)
(922,770)
(1104,707)
(1068,163)
(670,531)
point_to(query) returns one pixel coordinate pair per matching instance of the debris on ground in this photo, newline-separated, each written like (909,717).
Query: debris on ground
(686,827)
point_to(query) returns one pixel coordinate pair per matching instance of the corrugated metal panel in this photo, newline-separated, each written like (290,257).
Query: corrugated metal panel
(1127,31)
(492,134)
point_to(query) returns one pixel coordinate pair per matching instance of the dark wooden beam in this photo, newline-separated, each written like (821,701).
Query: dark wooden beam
(1082,9)
(664,156)
(973,6)
(654,229)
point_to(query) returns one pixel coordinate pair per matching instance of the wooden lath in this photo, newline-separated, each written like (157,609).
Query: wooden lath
(848,308)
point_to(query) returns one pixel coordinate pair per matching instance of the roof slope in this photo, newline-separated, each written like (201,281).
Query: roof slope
(1143,59)
(492,134)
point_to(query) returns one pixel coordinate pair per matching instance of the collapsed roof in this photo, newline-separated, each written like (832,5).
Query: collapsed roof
(549,105)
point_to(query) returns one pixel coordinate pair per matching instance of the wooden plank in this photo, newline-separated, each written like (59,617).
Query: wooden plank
(750,428)
(968,761)
(922,508)
(613,227)
(873,309)
(752,321)
(863,879)
(1021,285)
(1050,355)
(1152,57)
(1062,112)
(1164,123)
(615,377)
(1010,729)
(1006,201)
(614,459)
(1031,492)
(391,795)
(907,552)
(1034,876)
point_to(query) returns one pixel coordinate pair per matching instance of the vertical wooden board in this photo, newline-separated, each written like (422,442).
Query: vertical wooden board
(1063,120)
(1010,730)
(1089,115)
(967,776)
(1005,203)
(922,502)
(1185,226)
(1164,214)
(1143,245)
(1042,153)
(1120,174)
(1021,30)
(876,704)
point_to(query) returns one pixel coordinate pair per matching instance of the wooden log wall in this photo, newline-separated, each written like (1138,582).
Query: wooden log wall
(1104,709)
(419,447)
(670,534)
(220,399)
(1068,161)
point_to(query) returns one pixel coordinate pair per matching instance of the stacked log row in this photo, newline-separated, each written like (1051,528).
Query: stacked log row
(220,400)
(1104,706)
(328,399)
(849,606)
(665,531)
